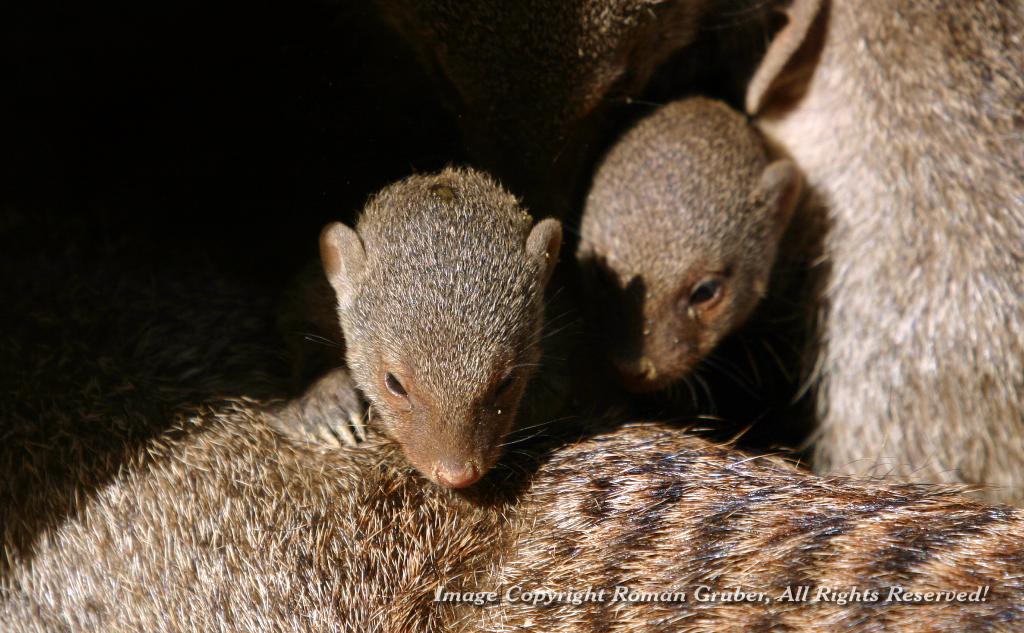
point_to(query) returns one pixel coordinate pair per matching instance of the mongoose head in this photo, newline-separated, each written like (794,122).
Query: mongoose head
(680,232)
(440,297)
(526,76)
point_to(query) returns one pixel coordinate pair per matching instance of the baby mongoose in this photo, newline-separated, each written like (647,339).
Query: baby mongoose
(682,224)
(906,117)
(440,298)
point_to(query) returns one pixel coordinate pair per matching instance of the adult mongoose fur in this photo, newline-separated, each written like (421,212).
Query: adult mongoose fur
(906,118)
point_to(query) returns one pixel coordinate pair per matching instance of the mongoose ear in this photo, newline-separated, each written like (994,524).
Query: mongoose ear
(544,243)
(779,191)
(782,69)
(343,257)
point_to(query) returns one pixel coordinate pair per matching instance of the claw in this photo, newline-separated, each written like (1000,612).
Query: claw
(338,434)
(358,423)
(329,413)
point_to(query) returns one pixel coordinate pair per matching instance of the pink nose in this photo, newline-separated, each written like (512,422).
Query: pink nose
(456,476)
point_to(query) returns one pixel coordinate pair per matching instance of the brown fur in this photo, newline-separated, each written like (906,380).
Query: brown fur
(440,297)
(907,120)
(532,81)
(229,527)
(106,340)
(139,496)
(683,221)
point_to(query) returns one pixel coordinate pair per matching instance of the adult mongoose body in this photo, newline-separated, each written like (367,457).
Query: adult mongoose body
(907,119)
(439,292)
(681,226)
(229,526)
(137,498)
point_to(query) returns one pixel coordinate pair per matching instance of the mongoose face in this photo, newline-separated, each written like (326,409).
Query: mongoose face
(440,298)
(679,233)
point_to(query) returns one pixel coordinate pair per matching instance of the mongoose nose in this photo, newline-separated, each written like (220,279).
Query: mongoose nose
(636,375)
(456,476)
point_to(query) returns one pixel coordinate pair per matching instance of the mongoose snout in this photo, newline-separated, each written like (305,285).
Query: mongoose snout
(639,376)
(456,475)
(680,230)
(455,445)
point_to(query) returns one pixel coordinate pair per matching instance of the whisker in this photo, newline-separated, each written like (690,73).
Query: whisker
(322,340)
(734,377)
(758,382)
(555,332)
(693,392)
(707,389)
(523,439)
(540,424)
(778,360)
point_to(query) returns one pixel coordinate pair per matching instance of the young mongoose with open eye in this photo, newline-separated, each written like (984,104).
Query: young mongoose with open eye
(680,229)
(906,117)
(440,298)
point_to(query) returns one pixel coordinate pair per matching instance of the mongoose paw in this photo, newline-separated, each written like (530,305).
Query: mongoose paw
(330,412)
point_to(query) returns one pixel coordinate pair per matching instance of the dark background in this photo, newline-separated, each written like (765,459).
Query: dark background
(216,138)
(235,130)
(164,173)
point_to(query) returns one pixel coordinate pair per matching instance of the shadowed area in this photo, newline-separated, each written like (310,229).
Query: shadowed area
(165,173)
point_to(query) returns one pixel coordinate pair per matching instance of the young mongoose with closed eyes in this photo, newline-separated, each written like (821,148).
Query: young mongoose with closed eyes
(440,297)
(906,117)
(681,228)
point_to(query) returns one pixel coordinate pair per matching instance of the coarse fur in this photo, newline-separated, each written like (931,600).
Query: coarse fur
(440,297)
(106,340)
(229,526)
(681,229)
(533,81)
(139,496)
(907,121)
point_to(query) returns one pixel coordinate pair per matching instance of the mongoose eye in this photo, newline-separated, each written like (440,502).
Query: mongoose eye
(394,386)
(706,292)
